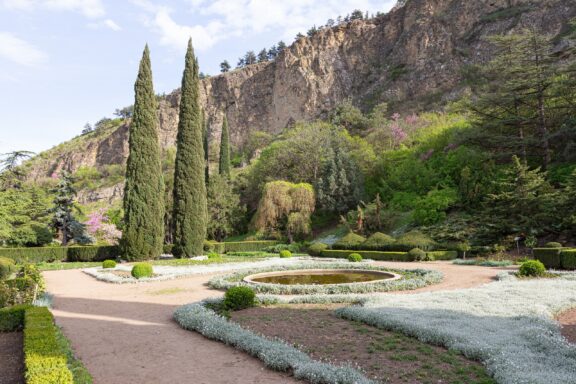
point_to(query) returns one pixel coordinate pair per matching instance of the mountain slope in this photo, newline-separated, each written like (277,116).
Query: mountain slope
(412,58)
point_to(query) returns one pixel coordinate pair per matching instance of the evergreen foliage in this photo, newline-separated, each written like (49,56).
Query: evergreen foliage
(225,212)
(143,231)
(224,163)
(63,219)
(190,210)
(206,142)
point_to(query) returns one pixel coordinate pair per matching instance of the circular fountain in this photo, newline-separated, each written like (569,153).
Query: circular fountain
(321,277)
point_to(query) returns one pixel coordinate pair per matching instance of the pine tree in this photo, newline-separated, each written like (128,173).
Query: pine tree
(143,233)
(224,66)
(63,219)
(190,211)
(224,168)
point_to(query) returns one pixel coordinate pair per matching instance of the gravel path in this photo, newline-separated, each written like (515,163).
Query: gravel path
(11,358)
(125,333)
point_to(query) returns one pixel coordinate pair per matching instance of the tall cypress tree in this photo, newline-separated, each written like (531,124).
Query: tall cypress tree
(224,168)
(205,140)
(190,211)
(143,233)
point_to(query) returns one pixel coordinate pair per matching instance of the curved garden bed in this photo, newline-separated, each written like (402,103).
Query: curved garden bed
(411,279)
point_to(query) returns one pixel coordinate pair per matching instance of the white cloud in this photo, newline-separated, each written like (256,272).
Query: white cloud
(112,25)
(20,51)
(89,8)
(230,18)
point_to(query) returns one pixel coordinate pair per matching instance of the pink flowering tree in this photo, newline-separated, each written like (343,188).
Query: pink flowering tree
(99,226)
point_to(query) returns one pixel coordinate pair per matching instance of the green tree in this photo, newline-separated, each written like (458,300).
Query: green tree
(143,231)
(206,142)
(63,219)
(285,207)
(224,165)
(225,212)
(190,211)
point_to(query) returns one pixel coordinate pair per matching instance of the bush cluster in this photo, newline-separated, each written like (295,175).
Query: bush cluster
(141,270)
(350,241)
(248,246)
(553,244)
(7,267)
(108,264)
(285,254)
(374,255)
(532,268)
(237,298)
(354,258)
(378,241)
(556,258)
(316,249)
(416,254)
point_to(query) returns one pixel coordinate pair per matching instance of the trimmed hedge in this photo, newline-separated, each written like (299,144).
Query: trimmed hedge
(568,259)
(247,246)
(374,255)
(50,254)
(550,257)
(45,361)
(443,255)
(378,242)
(12,318)
(350,241)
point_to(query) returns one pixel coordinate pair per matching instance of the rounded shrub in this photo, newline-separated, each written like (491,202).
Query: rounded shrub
(416,254)
(285,254)
(214,256)
(415,239)
(354,257)
(140,270)
(379,242)
(553,244)
(532,268)
(350,241)
(7,267)
(316,249)
(237,298)
(108,264)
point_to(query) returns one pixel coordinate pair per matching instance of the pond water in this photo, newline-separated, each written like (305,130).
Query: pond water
(322,278)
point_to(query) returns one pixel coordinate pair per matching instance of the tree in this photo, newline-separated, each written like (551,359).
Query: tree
(262,56)
(356,15)
(272,53)
(125,113)
(224,164)
(206,145)
(280,47)
(224,66)
(143,231)
(87,128)
(10,172)
(225,213)
(285,207)
(190,211)
(250,58)
(63,220)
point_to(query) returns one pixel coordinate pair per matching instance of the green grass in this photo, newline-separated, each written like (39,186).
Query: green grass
(224,260)
(59,265)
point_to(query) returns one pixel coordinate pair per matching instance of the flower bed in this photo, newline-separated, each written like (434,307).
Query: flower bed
(484,263)
(275,354)
(508,325)
(411,279)
(121,274)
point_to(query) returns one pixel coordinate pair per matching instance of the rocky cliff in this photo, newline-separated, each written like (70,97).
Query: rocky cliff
(411,57)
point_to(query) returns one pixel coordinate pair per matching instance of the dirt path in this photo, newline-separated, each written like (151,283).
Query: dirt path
(125,333)
(11,358)
(568,321)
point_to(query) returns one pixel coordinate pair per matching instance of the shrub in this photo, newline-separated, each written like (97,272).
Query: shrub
(442,255)
(247,246)
(214,246)
(553,244)
(285,254)
(568,259)
(378,242)
(108,264)
(35,255)
(294,248)
(237,298)
(7,267)
(374,255)
(30,235)
(214,256)
(167,248)
(140,270)
(354,258)
(350,241)
(415,239)
(416,254)
(95,253)
(12,318)
(532,268)
(550,257)
(316,249)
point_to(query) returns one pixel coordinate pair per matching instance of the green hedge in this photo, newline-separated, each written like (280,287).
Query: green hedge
(443,255)
(44,359)
(374,255)
(50,254)
(248,246)
(550,257)
(568,259)
(12,318)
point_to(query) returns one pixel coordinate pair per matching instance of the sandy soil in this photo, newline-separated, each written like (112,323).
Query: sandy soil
(11,358)
(568,322)
(125,333)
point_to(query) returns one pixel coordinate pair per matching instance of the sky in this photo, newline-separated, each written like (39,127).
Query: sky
(65,63)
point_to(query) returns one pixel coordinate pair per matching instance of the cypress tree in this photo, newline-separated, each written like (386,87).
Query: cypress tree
(190,211)
(143,233)
(205,140)
(224,167)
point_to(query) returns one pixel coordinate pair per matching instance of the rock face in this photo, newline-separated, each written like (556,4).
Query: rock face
(411,58)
